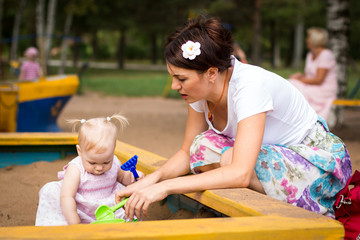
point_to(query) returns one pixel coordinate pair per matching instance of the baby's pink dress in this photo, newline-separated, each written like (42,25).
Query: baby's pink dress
(320,97)
(93,191)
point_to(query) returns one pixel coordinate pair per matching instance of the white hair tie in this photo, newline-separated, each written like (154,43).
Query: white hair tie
(82,121)
(108,119)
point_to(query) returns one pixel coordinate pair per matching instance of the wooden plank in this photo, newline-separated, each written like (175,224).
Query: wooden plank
(347,102)
(267,227)
(28,139)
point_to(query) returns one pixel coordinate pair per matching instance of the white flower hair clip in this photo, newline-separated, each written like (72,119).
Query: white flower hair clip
(191,49)
(82,121)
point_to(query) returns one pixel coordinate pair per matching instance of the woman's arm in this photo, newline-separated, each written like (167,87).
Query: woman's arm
(237,174)
(317,80)
(178,164)
(69,188)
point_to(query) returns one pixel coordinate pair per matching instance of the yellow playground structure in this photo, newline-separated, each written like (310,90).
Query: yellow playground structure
(35,106)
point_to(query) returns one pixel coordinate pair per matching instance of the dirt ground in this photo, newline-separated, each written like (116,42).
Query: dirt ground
(156,125)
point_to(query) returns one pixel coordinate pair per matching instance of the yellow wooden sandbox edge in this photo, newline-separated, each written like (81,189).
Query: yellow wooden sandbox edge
(252,215)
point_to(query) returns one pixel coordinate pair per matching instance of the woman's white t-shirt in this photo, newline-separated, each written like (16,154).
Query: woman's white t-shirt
(254,90)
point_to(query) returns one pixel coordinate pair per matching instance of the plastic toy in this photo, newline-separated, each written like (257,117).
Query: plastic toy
(130,165)
(105,214)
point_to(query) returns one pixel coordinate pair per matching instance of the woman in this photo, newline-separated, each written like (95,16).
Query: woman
(319,83)
(246,127)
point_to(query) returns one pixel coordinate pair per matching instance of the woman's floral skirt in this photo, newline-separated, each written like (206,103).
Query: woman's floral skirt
(307,175)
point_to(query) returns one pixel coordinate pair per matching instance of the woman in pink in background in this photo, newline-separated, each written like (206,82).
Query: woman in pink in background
(30,69)
(319,82)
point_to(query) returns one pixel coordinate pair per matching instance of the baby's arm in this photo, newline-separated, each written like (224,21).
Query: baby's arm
(127,178)
(68,191)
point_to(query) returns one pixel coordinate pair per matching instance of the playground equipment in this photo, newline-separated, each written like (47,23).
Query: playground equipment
(35,106)
(248,215)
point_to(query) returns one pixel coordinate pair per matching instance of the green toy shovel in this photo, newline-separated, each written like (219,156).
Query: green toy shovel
(105,214)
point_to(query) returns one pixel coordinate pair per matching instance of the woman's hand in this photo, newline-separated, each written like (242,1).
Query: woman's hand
(140,198)
(297,76)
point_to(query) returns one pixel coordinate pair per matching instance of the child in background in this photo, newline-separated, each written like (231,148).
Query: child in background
(30,70)
(89,180)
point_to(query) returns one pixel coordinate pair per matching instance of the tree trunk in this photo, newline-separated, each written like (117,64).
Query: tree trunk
(121,49)
(95,44)
(64,45)
(338,21)
(40,34)
(298,43)
(257,30)
(49,30)
(2,65)
(15,35)
(76,50)
(153,48)
(275,47)
(299,38)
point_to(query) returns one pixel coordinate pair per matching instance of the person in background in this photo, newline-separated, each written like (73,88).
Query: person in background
(89,180)
(319,81)
(30,69)
(239,53)
(246,128)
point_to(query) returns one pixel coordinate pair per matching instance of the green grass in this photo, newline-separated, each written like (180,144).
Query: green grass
(140,83)
(128,83)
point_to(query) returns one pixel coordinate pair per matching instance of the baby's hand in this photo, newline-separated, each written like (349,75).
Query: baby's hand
(141,174)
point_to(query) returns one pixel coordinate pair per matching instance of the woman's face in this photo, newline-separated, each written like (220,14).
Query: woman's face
(308,42)
(191,85)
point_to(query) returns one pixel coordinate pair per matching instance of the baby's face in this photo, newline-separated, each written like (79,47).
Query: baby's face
(97,163)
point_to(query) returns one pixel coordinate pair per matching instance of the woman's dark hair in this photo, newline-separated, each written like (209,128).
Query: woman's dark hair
(216,45)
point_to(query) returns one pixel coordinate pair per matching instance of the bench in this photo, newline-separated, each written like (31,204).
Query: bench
(350,101)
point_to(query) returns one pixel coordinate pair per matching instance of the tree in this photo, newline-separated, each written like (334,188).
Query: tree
(2,72)
(255,55)
(72,8)
(64,45)
(338,22)
(299,37)
(16,29)
(51,13)
(40,34)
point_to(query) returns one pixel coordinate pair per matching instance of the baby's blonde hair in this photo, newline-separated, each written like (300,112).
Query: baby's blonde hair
(98,133)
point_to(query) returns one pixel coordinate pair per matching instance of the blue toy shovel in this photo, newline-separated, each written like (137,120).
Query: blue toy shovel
(130,165)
